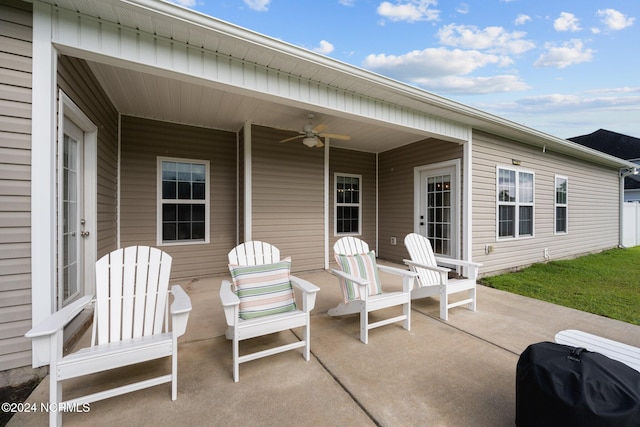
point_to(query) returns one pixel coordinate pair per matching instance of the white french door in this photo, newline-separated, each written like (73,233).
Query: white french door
(76,217)
(437,213)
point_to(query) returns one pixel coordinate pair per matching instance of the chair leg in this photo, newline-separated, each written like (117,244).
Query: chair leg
(406,310)
(472,295)
(236,363)
(55,397)
(307,340)
(174,369)
(364,325)
(444,304)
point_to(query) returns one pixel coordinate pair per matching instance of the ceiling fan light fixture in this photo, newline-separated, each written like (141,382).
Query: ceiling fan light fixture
(310,141)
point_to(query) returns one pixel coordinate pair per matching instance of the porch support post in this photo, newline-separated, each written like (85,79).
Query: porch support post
(467,217)
(248,184)
(326,202)
(43,171)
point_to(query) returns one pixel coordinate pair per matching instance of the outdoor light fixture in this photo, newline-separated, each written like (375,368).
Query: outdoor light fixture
(310,142)
(516,162)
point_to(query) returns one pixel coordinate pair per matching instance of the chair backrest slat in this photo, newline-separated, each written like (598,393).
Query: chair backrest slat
(421,252)
(131,293)
(254,253)
(350,246)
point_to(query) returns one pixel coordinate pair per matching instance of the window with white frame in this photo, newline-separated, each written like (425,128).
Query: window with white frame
(561,204)
(515,203)
(183,201)
(348,203)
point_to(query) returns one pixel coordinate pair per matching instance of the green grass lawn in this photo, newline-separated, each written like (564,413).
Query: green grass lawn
(607,283)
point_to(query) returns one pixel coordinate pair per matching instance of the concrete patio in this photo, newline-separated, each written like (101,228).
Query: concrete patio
(458,373)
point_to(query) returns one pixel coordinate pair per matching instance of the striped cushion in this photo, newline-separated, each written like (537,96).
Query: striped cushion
(360,265)
(263,289)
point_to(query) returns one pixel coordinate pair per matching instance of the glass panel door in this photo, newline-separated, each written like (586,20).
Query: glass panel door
(71,223)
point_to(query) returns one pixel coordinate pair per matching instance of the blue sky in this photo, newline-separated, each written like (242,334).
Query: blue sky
(565,67)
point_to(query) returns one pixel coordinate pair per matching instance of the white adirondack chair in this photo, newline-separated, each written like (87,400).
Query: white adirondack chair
(433,278)
(361,300)
(256,253)
(130,325)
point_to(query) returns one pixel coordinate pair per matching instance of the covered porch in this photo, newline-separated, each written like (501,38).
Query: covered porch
(439,374)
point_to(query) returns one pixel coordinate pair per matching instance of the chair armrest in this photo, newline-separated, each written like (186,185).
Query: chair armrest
(44,336)
(309,291)
(408,277)
(472,266)
(230,303)
(397,271)
(227,296)
(59,319)
(428,267)
(355,279)
(181,301)
(180,309)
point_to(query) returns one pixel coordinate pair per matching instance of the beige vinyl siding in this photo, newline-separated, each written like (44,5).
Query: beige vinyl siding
(143,140)
(15,183)
(354,163)
(593,205)
(396,190)
(76,79)
(288,197)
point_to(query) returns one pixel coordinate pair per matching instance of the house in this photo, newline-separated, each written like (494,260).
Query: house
(141,122)
(619,145)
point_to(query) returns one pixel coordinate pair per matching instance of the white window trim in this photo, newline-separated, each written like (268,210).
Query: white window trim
(556,205)
(335,204)
(517,204)
(207,212)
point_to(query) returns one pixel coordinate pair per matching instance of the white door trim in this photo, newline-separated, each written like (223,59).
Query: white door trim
(69,110)
(417,173)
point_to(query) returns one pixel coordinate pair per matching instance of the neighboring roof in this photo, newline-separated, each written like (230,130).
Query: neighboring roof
(613,143)
(180,25)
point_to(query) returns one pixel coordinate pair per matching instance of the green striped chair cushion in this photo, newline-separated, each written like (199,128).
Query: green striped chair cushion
(263,289)
(359,265)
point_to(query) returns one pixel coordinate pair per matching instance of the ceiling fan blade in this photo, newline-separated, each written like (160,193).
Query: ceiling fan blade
(319,128)
(335,136)
(292,138)
(319,144)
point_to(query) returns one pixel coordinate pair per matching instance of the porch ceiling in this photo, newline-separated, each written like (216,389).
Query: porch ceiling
(158,97)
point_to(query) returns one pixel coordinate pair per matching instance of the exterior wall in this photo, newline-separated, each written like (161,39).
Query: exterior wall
(356,163)
(142,141)
(15,183)
(396,190)
(593,205)
(78,82)
(287,197)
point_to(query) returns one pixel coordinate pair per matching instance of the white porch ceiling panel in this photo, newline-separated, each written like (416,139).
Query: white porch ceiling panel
(154,63)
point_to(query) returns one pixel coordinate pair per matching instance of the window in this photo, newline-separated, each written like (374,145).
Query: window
(561,210)
(515,203)
(183,201)
(348,204)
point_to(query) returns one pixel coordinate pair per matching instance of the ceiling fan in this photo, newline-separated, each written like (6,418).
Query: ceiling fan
(311,135)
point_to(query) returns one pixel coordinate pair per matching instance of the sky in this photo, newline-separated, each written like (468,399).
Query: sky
(564,67)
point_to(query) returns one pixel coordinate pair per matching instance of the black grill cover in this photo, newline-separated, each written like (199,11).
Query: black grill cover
(559,385)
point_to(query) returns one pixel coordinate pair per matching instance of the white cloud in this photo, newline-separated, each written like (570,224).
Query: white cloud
(463,9)
(522,19)
(444,70)
(570,53)
(566,22)
(259,5)
(494,39)
(347,2)
(325,47)
(410,11)
(615,20)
